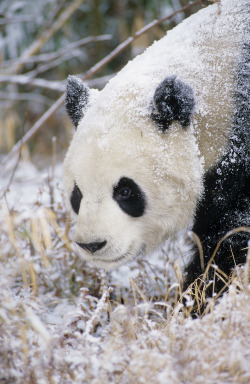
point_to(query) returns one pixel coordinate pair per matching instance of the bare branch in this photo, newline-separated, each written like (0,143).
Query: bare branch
(54,55)
(54,13)
(48,33)
(41,83)
(50,84)
(99,82)
(13,19)
(64,55)
(53,63)
(131,39)
(24,97)
(35,128)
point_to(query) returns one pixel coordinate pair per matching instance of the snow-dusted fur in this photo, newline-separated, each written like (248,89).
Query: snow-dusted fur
(117,137)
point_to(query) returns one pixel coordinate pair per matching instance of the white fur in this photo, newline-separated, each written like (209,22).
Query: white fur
(117,138)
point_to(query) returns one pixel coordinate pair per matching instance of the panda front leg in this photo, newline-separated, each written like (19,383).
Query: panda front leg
(224,207)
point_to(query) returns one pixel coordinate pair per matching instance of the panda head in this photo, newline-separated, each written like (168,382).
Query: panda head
(132,172)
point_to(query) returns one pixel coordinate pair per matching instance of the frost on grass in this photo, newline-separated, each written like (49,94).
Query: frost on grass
(62,321)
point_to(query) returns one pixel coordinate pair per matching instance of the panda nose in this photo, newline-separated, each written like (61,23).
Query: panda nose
(92,247)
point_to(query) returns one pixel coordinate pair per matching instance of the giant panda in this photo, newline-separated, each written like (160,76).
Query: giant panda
(164,146)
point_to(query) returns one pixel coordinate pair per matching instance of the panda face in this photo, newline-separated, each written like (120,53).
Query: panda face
(108,220)
(130,199)
(127,182)
(109,206)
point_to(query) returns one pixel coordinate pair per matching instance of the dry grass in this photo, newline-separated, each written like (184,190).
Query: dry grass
(62,321)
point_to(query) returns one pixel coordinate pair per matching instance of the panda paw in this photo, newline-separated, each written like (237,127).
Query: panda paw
(173,100)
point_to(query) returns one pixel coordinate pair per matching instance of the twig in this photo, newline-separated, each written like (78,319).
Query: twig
(54,63)
(38,82)
(54,55)
(131,39)
(89,74)
(101,306)
(49,84)
(24,97)
(65,54)
(11,19)
(48,33)
(53,14)
(35,128)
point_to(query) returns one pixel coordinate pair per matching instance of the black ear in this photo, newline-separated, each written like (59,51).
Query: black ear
(77,95)
(173,100)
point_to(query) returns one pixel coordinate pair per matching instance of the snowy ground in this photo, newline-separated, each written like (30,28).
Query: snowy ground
(63,321)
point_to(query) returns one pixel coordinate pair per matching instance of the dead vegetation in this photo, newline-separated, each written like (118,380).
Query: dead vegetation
(62,321)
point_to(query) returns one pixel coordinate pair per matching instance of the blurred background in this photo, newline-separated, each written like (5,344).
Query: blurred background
(43,41)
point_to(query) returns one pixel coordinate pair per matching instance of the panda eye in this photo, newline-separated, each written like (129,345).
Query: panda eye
(124,193)
(76,198)
(129,197)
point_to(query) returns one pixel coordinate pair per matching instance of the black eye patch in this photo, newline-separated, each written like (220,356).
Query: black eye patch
(75,199)
(129,197)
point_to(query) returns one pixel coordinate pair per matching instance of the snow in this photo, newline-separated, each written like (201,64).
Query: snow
(190,51)
(51,331)
(64,321)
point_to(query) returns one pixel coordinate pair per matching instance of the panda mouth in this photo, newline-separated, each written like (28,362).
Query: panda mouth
(128,256)
(101,261)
